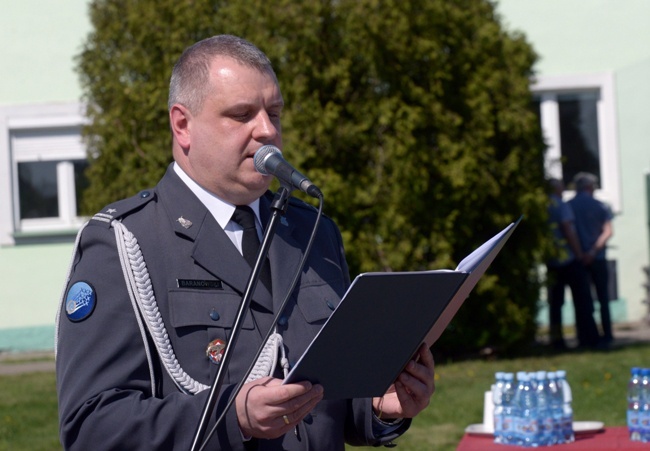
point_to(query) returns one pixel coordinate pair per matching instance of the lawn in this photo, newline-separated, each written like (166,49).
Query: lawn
(28,418)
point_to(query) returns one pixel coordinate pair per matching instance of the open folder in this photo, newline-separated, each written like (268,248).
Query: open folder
(382,320)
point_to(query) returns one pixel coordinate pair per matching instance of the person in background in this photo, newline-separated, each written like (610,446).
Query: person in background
(156,282)
(565,269)
(593,221)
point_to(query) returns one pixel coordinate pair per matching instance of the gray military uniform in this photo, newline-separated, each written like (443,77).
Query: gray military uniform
(115,386)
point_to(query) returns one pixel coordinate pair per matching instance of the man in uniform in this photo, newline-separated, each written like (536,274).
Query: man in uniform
(156,281)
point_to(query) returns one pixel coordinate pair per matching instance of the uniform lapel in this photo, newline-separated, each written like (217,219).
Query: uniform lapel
(212,250)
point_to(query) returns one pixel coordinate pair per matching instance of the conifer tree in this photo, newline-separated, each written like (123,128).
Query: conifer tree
(413,116)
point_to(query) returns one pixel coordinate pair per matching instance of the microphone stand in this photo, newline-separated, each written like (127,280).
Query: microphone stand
(239,386)
(279,208)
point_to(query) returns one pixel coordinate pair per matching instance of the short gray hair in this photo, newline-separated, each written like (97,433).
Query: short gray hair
(584,181)
(191,74)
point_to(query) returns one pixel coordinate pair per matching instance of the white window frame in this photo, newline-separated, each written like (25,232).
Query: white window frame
(547,88)
(38,117)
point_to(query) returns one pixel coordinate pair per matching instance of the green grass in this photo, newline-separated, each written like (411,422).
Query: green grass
(28,417)
(28,412)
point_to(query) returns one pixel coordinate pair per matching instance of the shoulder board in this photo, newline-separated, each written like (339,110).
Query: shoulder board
(294,201)
(123,207)
(299,203)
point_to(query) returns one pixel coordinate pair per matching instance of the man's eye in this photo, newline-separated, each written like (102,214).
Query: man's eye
(241,117)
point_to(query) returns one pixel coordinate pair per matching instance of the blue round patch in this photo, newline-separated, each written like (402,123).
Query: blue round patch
(80,301)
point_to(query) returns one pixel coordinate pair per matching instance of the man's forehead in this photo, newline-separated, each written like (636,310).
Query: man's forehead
(226,66)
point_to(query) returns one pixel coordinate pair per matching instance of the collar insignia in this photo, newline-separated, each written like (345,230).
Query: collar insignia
(185,223)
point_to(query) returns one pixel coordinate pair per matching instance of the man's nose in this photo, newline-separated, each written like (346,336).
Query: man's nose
(265,127)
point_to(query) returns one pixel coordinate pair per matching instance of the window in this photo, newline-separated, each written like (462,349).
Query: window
(44,172)
(577,114)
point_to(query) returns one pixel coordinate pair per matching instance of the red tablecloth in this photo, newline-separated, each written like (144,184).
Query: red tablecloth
(614,438)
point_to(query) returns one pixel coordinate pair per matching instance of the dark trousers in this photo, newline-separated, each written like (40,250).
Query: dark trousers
(599,275)
(575,276)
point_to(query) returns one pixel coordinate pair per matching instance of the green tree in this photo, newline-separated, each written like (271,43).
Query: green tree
(413,116)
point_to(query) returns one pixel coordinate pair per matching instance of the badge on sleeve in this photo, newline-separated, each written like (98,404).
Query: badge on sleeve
(80,301)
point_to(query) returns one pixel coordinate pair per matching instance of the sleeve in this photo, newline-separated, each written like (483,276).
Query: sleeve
(104,380)
(609,215)
(363,428)
(566,212)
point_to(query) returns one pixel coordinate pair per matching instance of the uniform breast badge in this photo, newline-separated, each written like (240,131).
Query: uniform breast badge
(215,350)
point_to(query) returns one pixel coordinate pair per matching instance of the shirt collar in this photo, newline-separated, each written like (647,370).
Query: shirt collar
(219,208)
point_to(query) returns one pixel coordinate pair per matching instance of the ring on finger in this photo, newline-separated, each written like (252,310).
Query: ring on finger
(286,419)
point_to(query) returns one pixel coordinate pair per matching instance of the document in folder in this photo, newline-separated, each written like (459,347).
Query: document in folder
(382,320)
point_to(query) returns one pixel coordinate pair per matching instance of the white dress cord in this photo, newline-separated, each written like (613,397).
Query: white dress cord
(268,358)
(145,307)
(142,295)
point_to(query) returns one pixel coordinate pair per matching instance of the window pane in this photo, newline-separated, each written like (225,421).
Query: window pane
(38,190)
(80,181)
(579,134)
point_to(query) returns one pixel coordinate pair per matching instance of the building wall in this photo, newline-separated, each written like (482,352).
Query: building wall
(578,37)
(570,37)
(41,40)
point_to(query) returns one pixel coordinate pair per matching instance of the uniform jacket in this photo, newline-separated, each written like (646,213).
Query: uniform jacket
(104,376)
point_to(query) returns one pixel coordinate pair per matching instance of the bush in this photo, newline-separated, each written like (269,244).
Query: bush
(412,116)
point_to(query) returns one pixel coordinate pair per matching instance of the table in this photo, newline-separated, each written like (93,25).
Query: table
(611,438)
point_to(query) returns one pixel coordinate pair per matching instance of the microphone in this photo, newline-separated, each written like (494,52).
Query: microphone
(269,161)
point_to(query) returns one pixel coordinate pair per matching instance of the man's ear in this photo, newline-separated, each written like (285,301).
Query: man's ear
(179,120)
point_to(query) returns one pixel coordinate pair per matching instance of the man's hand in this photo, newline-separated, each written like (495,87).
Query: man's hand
(267,409)
(410,393)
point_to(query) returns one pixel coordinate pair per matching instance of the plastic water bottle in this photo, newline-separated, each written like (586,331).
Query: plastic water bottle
(556,406)
(508,434)
(497,390)
(567,409)
(527,424)
(644,400)
(634,404)
(544,418)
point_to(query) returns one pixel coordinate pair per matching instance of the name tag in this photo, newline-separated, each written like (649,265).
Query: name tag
(199,284)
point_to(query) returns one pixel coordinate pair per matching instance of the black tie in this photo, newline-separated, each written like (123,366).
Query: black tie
(245,217)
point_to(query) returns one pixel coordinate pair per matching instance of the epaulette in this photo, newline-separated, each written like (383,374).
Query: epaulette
(293,201)
(122,208)
(299,203)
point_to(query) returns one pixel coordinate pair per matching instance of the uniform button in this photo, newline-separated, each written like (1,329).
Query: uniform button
(330,304)
(214,315)
(145,194)
(282,321)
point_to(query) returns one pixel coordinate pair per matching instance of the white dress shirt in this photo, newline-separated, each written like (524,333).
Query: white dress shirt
(220,209)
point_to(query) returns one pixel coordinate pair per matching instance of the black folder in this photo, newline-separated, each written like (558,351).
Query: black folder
(382,320)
